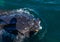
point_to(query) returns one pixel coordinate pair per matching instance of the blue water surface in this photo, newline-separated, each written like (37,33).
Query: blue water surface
(48,11)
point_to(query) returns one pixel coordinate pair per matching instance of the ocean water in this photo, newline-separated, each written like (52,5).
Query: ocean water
(47,10)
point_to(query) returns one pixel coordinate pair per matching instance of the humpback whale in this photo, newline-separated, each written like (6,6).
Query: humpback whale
(20,23)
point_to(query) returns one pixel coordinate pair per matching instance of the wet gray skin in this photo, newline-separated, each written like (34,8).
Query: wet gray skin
(25,25)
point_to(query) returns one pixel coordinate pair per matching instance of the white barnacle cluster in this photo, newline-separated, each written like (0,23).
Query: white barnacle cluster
(40,27)
(22,11)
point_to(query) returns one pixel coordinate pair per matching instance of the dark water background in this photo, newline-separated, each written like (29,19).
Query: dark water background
(48,10)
